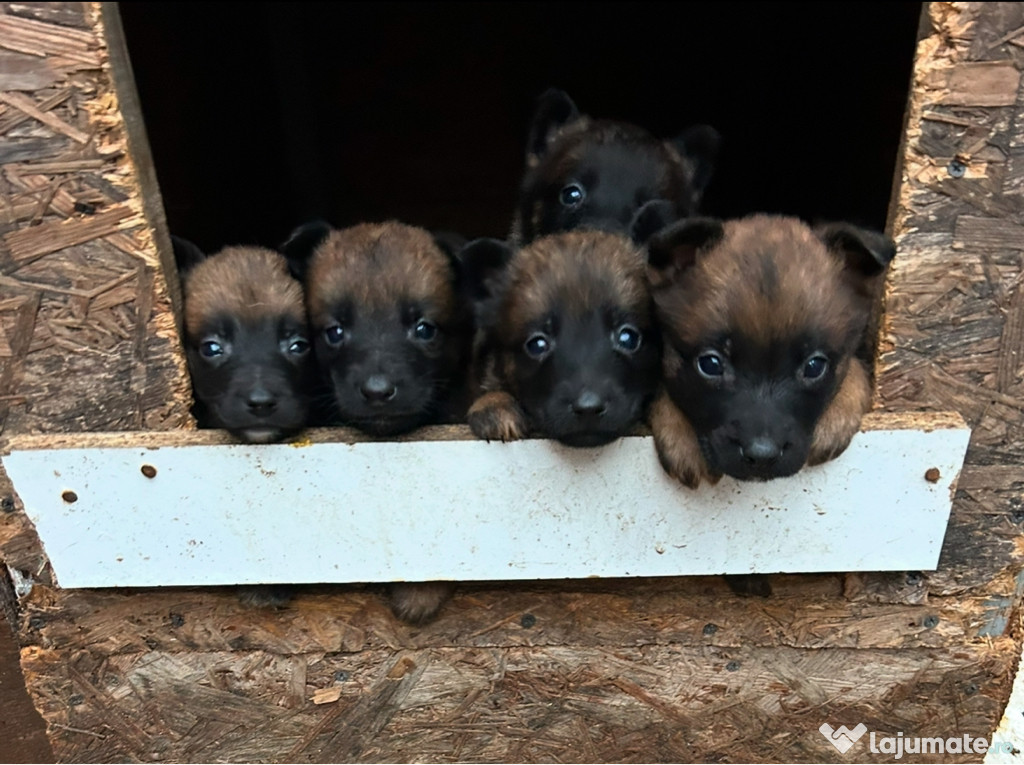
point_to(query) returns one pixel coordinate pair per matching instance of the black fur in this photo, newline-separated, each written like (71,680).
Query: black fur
(584,173)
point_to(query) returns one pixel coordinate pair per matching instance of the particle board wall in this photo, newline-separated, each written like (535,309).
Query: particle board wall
(634,670)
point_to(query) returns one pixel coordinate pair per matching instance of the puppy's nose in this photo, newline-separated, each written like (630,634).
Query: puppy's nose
(589,403)
(761,451)
(261,401)
(378,389)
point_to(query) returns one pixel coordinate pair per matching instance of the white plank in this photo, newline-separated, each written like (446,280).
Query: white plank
(469,510)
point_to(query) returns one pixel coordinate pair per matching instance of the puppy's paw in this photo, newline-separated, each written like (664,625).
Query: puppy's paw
(266,596)
(749,584)
(419,602)
(677,445)
(841,420)
(497,417)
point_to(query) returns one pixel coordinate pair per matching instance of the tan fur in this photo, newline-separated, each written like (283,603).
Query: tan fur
(379,266)
(496,416)
(247,283)
(417,602)
(676,443)
(578,271)
(729,289)
(841,421)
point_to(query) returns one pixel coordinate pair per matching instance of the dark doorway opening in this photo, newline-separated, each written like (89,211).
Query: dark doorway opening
(263,115)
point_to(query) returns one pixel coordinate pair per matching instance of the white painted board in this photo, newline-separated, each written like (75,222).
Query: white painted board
(470,510)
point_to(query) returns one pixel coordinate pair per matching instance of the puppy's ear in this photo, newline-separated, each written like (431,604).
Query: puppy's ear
(452,244)
(186,254)
(700,145)
(673,250)
(651,218)
(554,109)
(866,253)
(301,243)
(484,263)
(483,266)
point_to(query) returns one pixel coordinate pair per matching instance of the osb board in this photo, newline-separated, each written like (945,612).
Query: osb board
(954,325)
(87,335)
(670,669)
(557,675)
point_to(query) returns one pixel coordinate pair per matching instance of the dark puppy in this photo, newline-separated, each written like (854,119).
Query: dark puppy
(246,341)
(568,347)
(392,338)
(761,319)
(391,333)
(248,353)
(587,173)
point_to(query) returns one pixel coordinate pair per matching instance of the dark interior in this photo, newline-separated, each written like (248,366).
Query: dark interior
(264,115)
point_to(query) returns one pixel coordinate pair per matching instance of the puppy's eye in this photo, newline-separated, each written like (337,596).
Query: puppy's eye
(211,349)
(298,346)
(334,334)
(425,331)
(710,365)
(538,345)
(814,367)
(627,338)
(572,195)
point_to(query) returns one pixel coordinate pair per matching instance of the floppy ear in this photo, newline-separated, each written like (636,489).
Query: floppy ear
(700,145)
(651,218)
(186,254)
(673,250)
(301,243)
(484,263)
(866,253)
(554,109)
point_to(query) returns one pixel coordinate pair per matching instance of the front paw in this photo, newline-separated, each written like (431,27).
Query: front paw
(676,442)
(419,602)
(841,420)
(497,417)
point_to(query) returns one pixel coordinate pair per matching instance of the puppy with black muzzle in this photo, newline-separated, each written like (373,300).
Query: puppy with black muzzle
(762,320)
(392,338)
(568,348)
(588,173)
(248,352)
(391,332)
(246,341)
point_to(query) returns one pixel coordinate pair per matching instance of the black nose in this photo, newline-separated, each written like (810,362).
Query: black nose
(589,403)
(761,451)
(261,401)
(378,388)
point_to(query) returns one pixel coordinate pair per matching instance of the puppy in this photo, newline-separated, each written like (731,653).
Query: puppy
(392,338)
(248,352)
(246,341)
(762,320)
(568,347)
(390,330)
(587,173)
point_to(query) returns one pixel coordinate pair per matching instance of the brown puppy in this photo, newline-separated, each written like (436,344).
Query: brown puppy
(567,346)
(246,341)
(762,319)
(248,352)
(392,339)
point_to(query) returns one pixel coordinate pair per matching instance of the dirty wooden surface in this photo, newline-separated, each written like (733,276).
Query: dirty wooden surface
(621,670)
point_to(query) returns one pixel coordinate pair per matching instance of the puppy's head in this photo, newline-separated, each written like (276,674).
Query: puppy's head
(389,330)
(246,341)
(584,173)
(761,318)
(569,332)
